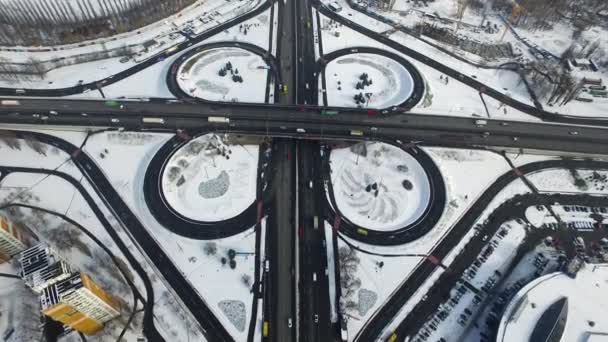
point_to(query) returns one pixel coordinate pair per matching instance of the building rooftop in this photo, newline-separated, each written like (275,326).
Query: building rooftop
(582,306)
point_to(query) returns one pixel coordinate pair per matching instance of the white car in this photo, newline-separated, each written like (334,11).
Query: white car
(289,323)
(114,120)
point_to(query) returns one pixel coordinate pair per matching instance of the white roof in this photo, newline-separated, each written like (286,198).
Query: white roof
(587,301)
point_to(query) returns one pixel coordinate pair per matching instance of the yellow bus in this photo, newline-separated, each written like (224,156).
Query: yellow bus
(393,338)
(265,329)
(361,231)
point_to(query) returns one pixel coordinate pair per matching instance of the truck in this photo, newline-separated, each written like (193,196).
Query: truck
(315,222)
(329,112)
(159,121)
(112,103)
(218,119)
(356,132)
(362,231)
(480,123)
(9,103)
(265,329)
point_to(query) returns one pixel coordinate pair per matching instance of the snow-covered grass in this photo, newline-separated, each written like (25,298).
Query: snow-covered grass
(391,84)
(379,186)
(525,41)
(378,276)
(211,174)
(586,303)
(199,75)
(439,93)
(19,307)
(125,165)
(212,12)
(562,180)
(55,194)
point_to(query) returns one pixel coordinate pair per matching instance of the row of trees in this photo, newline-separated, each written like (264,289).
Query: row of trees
(51,22)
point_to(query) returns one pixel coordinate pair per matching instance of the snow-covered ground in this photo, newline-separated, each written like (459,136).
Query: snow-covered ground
(224,289)
(200,75)
(440,92)
(525,42)
(19,307)
(208,173)
(562,180)
(391,84)
(151,82)
(199,17)
(378,276)
(587,302)
(56,194)
(379,186)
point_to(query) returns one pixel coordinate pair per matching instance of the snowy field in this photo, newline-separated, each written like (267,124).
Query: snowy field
(440,92)
(209,180)
(223,288)
(151,82)
(379,186)
(391,84)
(54,193)
(528,43)
(367,281)
(199,76)
(587,303)
(199,17)
(564,181)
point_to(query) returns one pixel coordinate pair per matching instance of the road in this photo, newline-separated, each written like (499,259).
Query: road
(281,231)
(314,284)
(286,50)
(284,120)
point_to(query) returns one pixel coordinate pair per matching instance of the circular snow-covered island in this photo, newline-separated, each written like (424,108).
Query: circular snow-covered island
(208,180)
(227,74)
(378,186)
(367,80)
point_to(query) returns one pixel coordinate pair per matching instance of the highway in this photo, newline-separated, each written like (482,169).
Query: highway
(314,284)
(284,120)
(281,231)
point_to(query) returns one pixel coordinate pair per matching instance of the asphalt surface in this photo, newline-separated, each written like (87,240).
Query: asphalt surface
(314,283)
(286,52)
(411,232)
(373,328)
(281,231)
(285,120)
(212,328)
